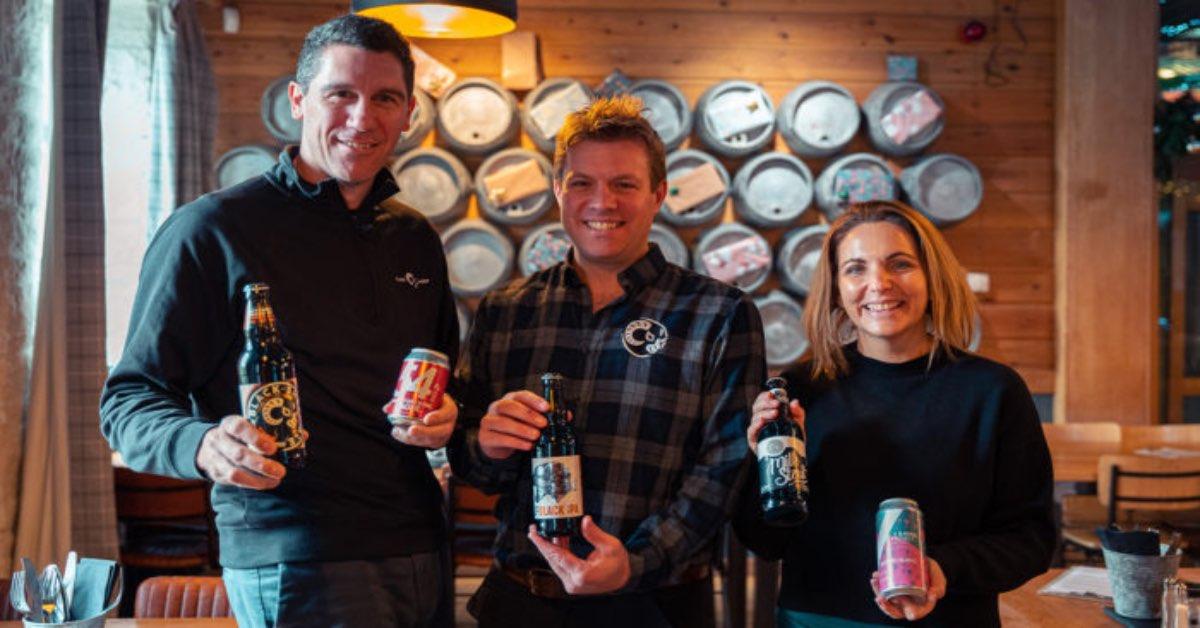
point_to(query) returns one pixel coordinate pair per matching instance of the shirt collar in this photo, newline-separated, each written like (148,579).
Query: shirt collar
(639,274)
(325,192)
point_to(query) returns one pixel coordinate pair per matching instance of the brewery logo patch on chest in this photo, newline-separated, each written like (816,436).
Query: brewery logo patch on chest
(412,280)
(644,337)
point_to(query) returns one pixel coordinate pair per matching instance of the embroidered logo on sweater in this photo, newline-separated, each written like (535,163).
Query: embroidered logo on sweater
(644,337)
(412,280)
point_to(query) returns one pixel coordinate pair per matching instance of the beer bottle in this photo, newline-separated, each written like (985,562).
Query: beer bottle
(267,379)
(782,478)
(557,483)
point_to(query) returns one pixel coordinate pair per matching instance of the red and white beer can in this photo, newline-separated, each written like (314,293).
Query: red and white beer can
(421,385)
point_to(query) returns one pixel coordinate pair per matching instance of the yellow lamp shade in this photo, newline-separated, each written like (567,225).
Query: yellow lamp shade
(450,19)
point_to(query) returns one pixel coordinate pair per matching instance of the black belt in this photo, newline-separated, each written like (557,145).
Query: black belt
(545,583)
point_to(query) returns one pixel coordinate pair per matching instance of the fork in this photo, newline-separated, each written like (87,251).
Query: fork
(16,593)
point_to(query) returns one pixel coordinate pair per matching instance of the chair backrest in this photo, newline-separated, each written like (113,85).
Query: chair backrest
(1174,436)
(472,524)
(1132,482)
(154,497)
(1082,438)
(182,596)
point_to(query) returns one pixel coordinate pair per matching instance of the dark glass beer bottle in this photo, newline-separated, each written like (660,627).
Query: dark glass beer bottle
(557,483)
(782,477)
(267,379)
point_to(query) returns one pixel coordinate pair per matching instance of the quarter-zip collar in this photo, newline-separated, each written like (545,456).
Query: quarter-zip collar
(325,195)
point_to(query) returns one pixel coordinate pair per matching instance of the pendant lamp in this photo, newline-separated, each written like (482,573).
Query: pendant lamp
(448,19)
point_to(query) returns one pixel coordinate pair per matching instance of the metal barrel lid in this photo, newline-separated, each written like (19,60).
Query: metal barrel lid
(672,246)
(421,122)
(478,257)
(465,316)
(680,163)
(946,188)
(865,177)
(910,129)
(735,118)
(542,248)
(783,328)
(735,254)
(433,182)
(546,107)
(476,117)
(799,254)
(818,118)
(244,162)
(521,211)
(276,110)
(772,190)
(667,110)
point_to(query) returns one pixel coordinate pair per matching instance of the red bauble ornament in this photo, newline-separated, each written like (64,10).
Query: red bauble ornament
(973,31)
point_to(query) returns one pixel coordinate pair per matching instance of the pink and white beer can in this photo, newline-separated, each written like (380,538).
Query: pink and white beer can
(420,386)
(900,549)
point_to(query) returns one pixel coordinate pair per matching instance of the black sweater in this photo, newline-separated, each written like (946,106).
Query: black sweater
(962,438)
(353,291)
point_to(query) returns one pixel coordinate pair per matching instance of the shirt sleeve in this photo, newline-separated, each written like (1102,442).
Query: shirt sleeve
(179,330)
(708,489)
(471,382)
(1017,538)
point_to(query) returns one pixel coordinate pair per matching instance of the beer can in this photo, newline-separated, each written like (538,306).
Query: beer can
(900,549)
(420,386)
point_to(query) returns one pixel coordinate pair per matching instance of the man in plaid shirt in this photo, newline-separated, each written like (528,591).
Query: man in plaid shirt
(661,366)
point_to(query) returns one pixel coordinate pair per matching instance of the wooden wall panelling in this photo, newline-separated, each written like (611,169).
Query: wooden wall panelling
(1007,131)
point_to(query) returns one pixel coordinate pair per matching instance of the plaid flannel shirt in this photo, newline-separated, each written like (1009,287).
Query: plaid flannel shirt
(660,418)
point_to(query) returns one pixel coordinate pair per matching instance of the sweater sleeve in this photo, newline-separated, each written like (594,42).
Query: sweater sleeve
(471,383)
(179,330)
(709,487)
(1017,538)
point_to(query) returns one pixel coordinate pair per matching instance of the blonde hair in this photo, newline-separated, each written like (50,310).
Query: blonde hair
(952,308)
(608,120)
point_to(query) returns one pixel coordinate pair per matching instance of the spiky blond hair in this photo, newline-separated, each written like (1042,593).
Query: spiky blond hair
(607,120)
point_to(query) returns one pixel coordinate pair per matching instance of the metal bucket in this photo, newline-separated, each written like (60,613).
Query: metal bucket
(946,188)
(667,110)
(276,110)
(478,257)
(882,102)
(783,328)
(421,121)
(710,261)
(826,188)
(476,117)
(96,621)
(433,182)
(772,190)
(799,254)
(523,211)
(735,118)
(818,118)
(546,107)
(542,248)
(672,246)
(680,163)
(244,162)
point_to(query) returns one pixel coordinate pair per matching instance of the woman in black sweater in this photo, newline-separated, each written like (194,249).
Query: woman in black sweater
(904,410)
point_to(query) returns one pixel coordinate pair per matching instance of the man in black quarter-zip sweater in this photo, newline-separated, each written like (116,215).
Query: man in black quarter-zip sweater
(357,536)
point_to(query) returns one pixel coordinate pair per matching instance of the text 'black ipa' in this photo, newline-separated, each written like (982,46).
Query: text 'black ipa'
(782,477)
(557,483)
(267,379)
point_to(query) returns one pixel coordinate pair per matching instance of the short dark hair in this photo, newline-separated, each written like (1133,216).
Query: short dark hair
(358,31)
(608,120)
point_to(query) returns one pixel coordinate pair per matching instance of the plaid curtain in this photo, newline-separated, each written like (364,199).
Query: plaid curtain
(184,105)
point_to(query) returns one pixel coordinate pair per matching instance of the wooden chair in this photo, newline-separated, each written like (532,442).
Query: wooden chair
(166,523)
(1075,447)
(182,596)
(1170,436)
(1144,491)
(472,524)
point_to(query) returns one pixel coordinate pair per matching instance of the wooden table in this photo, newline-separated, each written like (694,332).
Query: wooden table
(1024,607)
(226,622)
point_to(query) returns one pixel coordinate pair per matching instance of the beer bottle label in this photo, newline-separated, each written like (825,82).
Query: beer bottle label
(275,407)
(557,490)
(781,463)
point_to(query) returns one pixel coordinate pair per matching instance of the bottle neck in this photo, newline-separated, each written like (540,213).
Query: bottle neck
(552,393)
(259,321)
